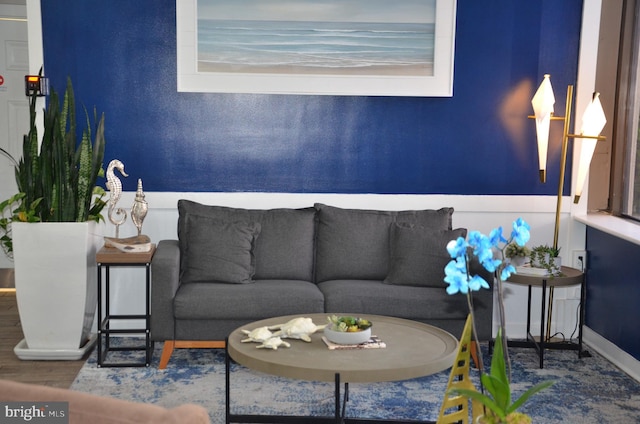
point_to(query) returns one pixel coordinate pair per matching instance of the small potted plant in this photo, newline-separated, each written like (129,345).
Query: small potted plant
(347,330)
(544,256)
(516,254)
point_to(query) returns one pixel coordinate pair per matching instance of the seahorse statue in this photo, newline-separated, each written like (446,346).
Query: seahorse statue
(115,190)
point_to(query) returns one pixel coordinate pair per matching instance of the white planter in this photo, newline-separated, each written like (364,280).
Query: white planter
(557,263)
(56,287)
(518,261)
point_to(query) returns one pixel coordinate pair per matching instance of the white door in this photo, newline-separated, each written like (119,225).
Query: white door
(14,104)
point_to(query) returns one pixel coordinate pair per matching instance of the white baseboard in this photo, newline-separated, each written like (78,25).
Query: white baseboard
(613,353)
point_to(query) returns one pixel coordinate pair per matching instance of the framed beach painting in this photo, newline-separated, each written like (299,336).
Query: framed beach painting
(326,47)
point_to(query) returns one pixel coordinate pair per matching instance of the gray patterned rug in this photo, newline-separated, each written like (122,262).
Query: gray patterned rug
(588,390)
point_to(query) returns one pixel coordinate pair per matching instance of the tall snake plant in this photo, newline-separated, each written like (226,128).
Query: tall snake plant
(56,180)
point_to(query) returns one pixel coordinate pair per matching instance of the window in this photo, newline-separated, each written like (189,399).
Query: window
(619,72)
(631,186)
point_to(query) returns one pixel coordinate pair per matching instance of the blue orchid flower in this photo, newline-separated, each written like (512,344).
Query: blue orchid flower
(477,282)
(456,276)
(457,273)
(457,247)
(491,264)
(520,233)
(496,237)
(507,271)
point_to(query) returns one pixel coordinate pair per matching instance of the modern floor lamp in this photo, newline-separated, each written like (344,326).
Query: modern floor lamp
(593,121)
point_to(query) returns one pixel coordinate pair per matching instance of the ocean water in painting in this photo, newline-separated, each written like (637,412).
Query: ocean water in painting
(306,46)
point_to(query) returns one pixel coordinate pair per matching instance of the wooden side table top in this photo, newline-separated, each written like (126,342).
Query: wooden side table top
(413,350)
(111,255)
(569,277)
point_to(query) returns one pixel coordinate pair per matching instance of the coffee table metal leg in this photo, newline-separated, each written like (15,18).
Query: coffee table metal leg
(338,418)
(227,384)
(345,399)
(336,393)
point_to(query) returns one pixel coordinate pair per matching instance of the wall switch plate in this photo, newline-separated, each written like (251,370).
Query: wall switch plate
(579,260)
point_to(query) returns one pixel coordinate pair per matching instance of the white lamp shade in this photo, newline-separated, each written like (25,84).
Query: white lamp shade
(542,103)
(593,122)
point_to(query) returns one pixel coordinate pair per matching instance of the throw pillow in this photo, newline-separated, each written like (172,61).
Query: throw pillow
(217,250)
(419,255)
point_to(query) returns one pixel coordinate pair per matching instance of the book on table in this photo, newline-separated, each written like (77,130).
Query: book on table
(373,343)
(529,270)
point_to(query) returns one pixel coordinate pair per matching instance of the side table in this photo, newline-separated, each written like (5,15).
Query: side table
(106,258)
(569,277)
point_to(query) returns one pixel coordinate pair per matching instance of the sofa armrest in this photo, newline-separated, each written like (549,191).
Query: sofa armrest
(88,408)
(165,281)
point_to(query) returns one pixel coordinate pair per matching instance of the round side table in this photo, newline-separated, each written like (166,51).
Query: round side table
(569,277)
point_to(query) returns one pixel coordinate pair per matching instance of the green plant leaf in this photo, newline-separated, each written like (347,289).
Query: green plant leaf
(526,395)
(482,398)
(56,180)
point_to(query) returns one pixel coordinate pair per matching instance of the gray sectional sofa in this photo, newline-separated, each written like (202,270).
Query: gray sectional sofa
(230,267)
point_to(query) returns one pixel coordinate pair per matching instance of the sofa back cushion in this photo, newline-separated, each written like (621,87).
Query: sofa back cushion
(354,243)
(419,255)
(284,247)
(218,250)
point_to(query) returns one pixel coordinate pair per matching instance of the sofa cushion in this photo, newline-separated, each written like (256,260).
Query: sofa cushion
(375,297)
(217,250)
(419,255)
(284,248)
(431,305)
(263,299)
(354,243)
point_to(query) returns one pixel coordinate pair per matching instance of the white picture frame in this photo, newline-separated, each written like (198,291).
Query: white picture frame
(439,84)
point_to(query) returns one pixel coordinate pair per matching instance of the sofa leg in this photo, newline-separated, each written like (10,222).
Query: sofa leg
(169,345)
(167,350)
(474,354)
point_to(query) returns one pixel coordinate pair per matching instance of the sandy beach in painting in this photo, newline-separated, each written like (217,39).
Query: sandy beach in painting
(315,48)
(374,70)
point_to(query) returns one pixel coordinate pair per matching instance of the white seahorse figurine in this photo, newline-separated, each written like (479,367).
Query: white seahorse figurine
(297,328)
(115,190)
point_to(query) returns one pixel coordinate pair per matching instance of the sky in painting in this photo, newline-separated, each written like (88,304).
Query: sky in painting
(404,11)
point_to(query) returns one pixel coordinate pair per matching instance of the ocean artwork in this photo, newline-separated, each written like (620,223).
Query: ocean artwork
(309,47)
(330,47)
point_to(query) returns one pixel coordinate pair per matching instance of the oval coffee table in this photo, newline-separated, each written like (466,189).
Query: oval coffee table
(413,349)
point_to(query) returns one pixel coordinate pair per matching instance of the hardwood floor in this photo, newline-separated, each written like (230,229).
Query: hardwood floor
(49,373)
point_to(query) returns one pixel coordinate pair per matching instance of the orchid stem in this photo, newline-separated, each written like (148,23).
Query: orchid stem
(501,312)
(480,365)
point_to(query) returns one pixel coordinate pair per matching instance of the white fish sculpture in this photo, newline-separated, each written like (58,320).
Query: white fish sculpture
(297,328)
(258,335)
(273,343)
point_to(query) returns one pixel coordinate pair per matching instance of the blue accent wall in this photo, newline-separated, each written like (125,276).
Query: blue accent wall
(613,290)
(121,56)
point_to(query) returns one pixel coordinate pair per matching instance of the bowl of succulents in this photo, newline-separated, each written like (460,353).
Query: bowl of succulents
(347,330)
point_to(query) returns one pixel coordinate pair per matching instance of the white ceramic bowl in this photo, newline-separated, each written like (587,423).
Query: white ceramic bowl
(347,338)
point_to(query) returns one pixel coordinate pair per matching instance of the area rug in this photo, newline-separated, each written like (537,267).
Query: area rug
(587,390)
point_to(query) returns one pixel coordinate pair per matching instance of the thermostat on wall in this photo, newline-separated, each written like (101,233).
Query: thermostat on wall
(36,84)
